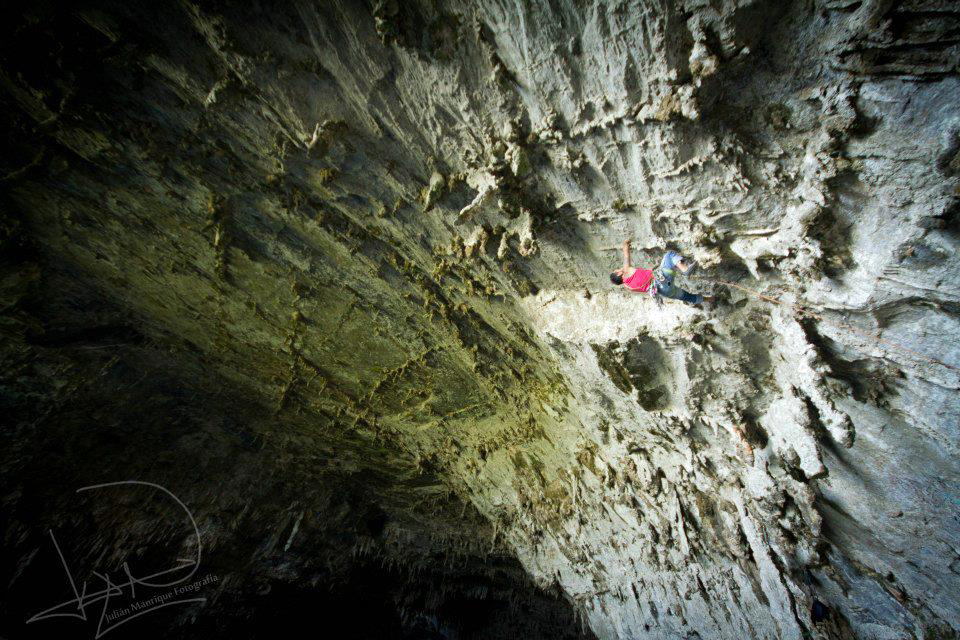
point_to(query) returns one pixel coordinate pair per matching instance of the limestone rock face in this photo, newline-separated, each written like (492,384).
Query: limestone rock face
(339,273)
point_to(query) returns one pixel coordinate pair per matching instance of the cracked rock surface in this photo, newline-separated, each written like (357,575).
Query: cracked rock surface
(336,273)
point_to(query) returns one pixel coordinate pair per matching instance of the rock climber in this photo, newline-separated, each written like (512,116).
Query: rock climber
(657,282)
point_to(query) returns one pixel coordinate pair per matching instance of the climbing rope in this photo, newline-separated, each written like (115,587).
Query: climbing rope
(842,325)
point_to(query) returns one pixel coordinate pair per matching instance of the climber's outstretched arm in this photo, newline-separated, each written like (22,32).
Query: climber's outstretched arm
(626,254)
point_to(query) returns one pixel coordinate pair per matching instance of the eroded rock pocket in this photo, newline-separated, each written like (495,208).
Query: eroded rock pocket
(640,368)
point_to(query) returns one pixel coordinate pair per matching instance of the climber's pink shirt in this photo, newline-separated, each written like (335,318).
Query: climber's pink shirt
(639,280)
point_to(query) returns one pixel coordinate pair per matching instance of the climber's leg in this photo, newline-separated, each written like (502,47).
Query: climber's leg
(675,292)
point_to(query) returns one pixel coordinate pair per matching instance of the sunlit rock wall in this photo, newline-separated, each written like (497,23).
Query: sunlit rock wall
(398,220)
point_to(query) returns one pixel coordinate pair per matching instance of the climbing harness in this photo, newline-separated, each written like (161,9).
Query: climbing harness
(841,325)
(657,279)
